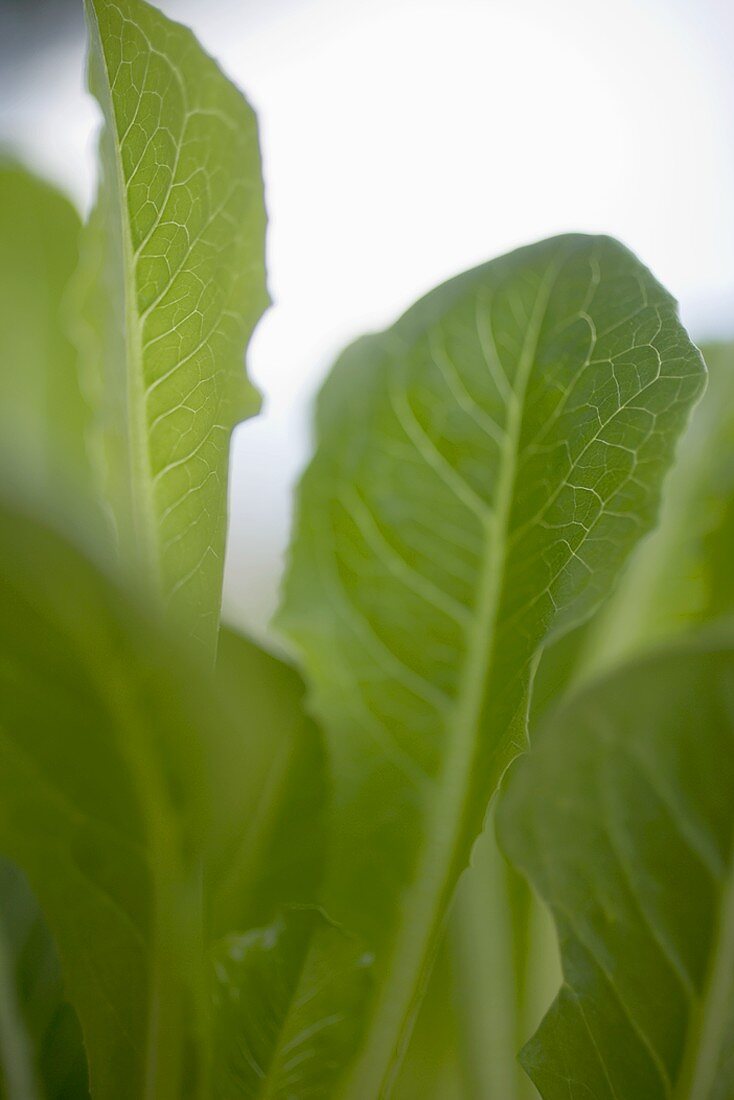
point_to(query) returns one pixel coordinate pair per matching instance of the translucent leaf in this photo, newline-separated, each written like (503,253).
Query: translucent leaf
(483,469)
(169,290)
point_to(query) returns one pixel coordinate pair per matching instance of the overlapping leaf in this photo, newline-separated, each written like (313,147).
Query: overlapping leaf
(483,469)
(170,287)
(622,816)
(106,781)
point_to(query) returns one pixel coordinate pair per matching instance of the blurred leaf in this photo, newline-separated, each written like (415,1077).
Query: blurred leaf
(43,418)
(107,781)
(432,1068)
(496,974)
(277,788)
(269,987)
(267,1044)
(506,970)
(633,853)
(17,1071)
(45,1025)
(483,470)
(170,286)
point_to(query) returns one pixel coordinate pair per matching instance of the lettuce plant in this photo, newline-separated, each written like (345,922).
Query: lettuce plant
(232,875)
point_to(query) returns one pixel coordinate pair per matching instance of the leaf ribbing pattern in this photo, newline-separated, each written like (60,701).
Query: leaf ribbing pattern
(484,468)
(178,239)
(634,855)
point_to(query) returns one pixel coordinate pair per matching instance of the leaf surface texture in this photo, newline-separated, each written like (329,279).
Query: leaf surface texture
(483,469)
(170,287)
(633,854)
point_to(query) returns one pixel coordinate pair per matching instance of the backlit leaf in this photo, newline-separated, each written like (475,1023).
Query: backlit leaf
(483,469)
(170,287)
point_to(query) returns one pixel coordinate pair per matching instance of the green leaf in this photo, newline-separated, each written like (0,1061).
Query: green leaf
(274,774)
(496,974)
(433,1068)
(267,880)
(42,1043)
(267,1042)
(17,1072)
(170,287)
(483,469)
(505,966)
(107,802)
(679,578)
(634,855)
(43,417)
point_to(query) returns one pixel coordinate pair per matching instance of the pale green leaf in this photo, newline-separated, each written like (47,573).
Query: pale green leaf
(622,816)
(170,287)
(505,967)
(483,469)
(108,769)
(43,417)
(496,974)
(434,1067)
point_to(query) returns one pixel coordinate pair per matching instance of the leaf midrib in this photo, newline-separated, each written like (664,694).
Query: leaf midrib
(372,1074)
(143,536)
(165,986)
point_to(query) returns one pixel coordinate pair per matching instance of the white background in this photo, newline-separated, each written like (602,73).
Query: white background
(405,140)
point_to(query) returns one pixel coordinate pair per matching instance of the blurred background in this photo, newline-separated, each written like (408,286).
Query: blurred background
(406,140)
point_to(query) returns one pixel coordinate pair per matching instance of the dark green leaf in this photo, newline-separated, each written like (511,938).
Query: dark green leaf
(622,816)
(45,1023)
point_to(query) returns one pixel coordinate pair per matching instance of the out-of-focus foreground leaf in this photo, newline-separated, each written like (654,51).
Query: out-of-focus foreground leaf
(106,803)
(153,836)
(622,816)
(41,1049)
(170,286)
(43,418)
(483,469)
